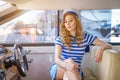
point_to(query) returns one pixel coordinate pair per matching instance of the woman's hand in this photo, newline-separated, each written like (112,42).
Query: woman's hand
(70,65)
(99,54)
(102,46)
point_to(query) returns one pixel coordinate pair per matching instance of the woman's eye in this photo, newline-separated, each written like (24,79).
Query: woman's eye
(68,21)
(65,22)
(71,20)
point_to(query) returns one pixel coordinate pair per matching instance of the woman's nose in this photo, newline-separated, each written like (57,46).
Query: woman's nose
(68,23)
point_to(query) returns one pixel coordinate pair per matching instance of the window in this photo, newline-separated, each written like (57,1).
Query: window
(105,24)
(31,27)
(40,26)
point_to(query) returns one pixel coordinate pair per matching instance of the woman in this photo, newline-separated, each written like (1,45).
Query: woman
(70,48)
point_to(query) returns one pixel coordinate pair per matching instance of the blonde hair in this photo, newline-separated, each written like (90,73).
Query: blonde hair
(65,34)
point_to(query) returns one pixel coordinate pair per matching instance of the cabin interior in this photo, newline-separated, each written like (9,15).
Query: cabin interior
(35,25)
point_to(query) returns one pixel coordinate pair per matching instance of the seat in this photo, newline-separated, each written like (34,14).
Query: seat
(108,69)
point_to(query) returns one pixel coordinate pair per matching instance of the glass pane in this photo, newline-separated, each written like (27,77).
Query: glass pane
(31,27)
(115,31)
(105,24)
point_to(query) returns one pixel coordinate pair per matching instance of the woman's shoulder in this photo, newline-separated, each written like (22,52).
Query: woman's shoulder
(58,38)
(85,33)
(59,41)
(88,34)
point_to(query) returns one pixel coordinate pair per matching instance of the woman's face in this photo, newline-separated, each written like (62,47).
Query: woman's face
(70,23)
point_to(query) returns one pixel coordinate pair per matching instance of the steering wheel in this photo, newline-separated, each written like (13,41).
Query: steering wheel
(20,59)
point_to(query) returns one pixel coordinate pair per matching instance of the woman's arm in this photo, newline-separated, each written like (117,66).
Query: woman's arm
(67,64)
(102,46)
(58,60)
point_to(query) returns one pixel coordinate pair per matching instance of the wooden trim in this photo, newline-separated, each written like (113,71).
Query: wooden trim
(29,44)
(11,15)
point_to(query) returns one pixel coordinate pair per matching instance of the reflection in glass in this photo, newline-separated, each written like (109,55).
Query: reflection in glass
(31,27)
(102,23)
(97,22)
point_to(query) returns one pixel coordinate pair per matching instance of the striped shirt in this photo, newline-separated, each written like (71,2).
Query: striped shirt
(76,52)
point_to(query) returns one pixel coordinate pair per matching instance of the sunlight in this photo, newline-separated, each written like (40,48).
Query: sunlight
(2,3)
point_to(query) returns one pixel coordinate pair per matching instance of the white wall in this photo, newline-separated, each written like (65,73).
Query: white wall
(51,49)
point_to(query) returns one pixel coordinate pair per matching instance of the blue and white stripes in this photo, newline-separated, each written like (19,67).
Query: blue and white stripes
(76,52)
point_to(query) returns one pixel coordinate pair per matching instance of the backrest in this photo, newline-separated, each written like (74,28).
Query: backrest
(108,69)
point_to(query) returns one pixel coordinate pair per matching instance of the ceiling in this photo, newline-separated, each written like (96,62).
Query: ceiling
(65,4)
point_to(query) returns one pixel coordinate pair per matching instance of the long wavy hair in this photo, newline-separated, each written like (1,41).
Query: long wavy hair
(65,34)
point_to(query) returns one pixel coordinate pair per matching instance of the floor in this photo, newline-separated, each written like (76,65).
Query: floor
(39,68)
